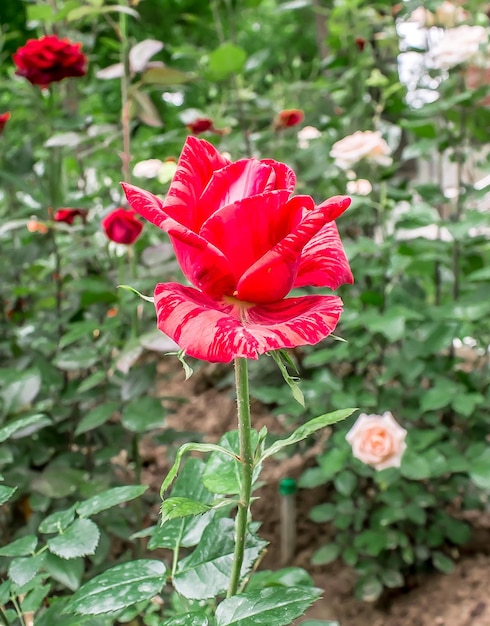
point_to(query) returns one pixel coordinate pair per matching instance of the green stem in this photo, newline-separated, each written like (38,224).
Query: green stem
(175,558)
(125,102)
(246,459)
(3,617)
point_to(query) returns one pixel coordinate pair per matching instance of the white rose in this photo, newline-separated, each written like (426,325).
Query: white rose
(367,144)
(459,45)
(377,440)
(359,187)
(147,169)
(306,134)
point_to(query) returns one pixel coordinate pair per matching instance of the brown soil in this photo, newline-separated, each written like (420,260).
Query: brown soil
(461,598)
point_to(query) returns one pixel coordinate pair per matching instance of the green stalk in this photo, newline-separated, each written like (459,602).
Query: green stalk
(246,460)
(125,101)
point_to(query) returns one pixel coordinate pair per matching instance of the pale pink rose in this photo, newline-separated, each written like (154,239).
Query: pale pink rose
(367,144)
(359,187)
(377,440)
(459,45)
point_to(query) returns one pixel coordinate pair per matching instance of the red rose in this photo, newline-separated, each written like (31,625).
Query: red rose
(4,118)
(287,118)
(244,242)
(122,226)
(49,59)
(68,215)
(204,124)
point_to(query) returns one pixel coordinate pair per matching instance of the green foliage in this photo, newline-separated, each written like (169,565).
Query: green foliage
(78,389)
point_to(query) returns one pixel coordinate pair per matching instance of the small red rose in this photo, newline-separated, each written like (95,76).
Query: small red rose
(50,59)
(203,125)
(4,118)
(122,226)
(68,215)
(288,118)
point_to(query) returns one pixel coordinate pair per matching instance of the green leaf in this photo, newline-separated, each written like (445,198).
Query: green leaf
(68,573)
(143,414)
(206,572)
(58,521)
(326,554)
(392,578)
(185,532)
(311,478)
(20,547)
(345,482)
(85,11)
(174,508)
(79,539)
(308,429)
(273,606)
(19,389)
(414,466)
(24,426)
(190,447)
(119,587)
(371,542)
(6,493)
(480,470)
(109,498)
(135,291)
(466,403)
(323,512)
(226,60)
(39,13)
(76,359)
(23,569)
(282,359)
(442,562)
(287,577)
(34,598)
(58,481)
(223,472)
(96,417)
(369,589)
(195,618)
(438,397)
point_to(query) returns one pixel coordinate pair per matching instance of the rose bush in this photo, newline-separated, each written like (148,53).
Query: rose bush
(367,144)
(244,243)
(49,59)
(122,226)
(377,440)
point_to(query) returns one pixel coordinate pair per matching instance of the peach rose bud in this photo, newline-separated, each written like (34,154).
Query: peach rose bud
(378,440)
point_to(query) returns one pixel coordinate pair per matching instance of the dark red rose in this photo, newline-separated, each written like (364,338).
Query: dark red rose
(360,43)
(4,118)
(287,118)
(68,215)
(200,125)
(122,226)
(49,59)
